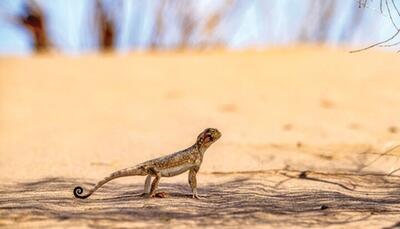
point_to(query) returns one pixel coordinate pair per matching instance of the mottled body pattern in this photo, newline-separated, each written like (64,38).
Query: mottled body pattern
(174,164)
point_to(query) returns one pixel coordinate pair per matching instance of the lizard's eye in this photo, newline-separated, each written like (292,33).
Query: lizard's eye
(208,137)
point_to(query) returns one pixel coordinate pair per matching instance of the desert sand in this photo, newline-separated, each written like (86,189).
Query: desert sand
(302,132)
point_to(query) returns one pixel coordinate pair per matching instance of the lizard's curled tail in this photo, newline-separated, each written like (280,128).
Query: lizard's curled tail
(78,190)
(136,171)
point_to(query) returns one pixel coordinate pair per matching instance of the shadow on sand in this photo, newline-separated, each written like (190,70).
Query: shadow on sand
(243,199)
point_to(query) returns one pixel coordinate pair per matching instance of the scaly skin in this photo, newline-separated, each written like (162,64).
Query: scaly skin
(174,164)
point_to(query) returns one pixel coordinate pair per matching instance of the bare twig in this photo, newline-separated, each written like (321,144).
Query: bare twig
(380,156)
(395,7)
(377,44)
(390,45)
(394,171)
(390,15)
(304,175)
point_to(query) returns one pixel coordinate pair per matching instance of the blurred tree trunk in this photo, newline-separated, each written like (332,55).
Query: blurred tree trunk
(187,23)
(350,28)
(35,22)
(180,15)
(193,30)
(317,22)
(158,26)
(106,27)
(212,24)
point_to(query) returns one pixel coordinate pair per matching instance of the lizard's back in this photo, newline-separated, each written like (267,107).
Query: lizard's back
(176,163)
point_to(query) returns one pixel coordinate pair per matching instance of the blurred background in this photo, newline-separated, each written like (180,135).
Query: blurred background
(82,26)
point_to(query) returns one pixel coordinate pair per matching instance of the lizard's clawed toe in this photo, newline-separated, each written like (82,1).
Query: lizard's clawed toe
(197,197)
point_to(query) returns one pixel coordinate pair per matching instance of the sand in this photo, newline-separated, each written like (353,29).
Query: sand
(66,121)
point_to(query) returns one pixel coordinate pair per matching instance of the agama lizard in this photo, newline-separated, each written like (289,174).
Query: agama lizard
(174,164)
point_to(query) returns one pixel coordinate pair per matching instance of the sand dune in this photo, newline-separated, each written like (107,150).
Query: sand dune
(70,120)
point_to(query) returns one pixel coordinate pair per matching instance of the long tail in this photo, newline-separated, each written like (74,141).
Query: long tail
(135,171)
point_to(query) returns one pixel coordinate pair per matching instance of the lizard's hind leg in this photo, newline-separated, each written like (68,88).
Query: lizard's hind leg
(154,186)
(147,185)
(150,190)
(147,188)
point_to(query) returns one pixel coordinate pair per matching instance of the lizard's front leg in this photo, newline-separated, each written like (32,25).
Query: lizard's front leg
(193,182)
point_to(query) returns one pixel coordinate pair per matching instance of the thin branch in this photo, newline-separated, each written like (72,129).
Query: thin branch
(304,175)
(390,15)
(392,155)
(395,7)
(362,4)
(377,44)
(390,45)
(380,156)
(391,173)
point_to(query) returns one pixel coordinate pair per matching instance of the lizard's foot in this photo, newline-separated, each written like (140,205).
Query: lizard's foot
(161,195)
(196,196)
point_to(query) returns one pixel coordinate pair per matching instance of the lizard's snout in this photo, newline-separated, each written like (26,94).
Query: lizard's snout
(213,133)
(208,136)
(217,134)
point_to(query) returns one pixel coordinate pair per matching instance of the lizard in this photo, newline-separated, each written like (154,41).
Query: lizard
(189,159)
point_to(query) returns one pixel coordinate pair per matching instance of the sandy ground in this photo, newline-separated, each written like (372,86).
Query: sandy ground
(300,129)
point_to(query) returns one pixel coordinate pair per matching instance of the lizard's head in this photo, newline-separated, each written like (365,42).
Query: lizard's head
(208,137)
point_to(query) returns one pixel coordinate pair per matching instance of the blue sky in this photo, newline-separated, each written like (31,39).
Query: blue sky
(252,23)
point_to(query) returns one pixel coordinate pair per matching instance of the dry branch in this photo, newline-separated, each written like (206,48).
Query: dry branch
(363,4)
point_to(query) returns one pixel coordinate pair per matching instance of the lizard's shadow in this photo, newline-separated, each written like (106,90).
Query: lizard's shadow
(246,199)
